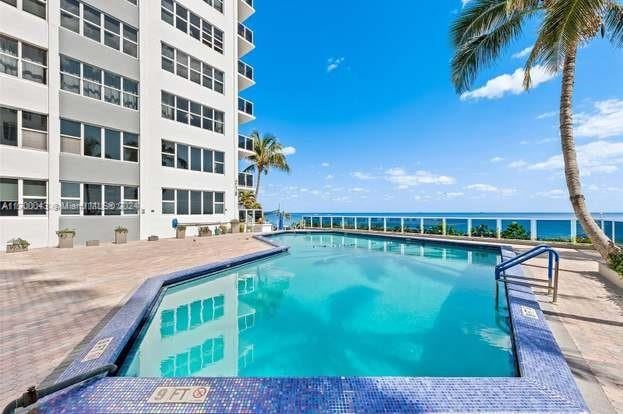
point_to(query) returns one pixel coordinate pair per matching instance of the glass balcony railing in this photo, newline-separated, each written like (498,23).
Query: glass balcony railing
(245,180)
(245,70)
(245,32)
(245,143)
(245,106)
(249,2)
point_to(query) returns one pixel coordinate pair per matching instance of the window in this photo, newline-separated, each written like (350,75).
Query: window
(36,7)
(8,197)
(117,199)
(35,198)
(201,159)
(130,147)
(23,129)
(8,126)
(188,112)
(70,198)
(92,141)
(99,26)
(34,130)
(117,89)
(187,67)
(117,145)
(176,15)
(182,156)
(130,200)
(33,63)
(168,201)
(191,202)
(182,202)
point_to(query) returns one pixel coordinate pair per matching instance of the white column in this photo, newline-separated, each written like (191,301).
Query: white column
(385,224)
(444,229)
(469,228)
(343,223)
(369,223)
(422,225)
(574,233)
(402,226)
(533,229)
(498,228)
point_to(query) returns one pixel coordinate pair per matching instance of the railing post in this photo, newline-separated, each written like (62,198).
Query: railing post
(331,222)
(444,227)
(402,225)
(533,226)
(384,224)
(422,225)
(574,231)
(498,228)
(343,219)
(469,230)
(355,223)
(369,223)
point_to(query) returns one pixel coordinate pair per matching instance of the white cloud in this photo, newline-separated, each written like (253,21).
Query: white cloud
(496,159)
(553,194)
(599,157)
(358,190)
(334,63)
(509,83)
(288,151)
(518,164)
(605,121)
(325,165)
(523,53)
(362,176)
(329,177)
(404,180)
(453,194)
(488,188)
(546,115)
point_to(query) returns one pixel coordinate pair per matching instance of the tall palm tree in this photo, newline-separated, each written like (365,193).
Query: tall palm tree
(267,154)
(486,27)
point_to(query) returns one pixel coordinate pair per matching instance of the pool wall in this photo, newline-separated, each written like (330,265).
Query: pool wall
(545,383)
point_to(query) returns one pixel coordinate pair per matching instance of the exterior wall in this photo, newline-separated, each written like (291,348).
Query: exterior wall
(147,174)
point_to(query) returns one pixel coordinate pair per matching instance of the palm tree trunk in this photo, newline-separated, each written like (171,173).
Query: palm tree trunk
(600,241)
(257,185)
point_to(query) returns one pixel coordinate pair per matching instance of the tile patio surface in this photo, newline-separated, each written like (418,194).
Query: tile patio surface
(53,301)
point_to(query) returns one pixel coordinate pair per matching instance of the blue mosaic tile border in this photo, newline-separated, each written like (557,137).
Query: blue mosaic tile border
(545,383)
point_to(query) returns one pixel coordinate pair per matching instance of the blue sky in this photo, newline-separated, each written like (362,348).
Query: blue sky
(360,92)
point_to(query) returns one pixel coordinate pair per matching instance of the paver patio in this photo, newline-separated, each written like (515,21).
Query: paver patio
(53,300)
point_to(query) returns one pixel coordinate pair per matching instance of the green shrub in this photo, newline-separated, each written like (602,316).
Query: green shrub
(19,242)
(515,231)
(121,229)
(483,231)
(616,263)
(64,233)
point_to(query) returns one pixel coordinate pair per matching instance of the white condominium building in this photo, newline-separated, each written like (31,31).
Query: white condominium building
(121,113)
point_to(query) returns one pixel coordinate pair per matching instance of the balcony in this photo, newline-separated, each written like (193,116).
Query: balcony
(245,111)
(245,181)
(245,9)
(245,76)
(245,40)
(245,146)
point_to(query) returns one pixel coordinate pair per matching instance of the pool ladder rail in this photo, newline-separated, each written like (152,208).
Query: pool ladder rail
(553,268)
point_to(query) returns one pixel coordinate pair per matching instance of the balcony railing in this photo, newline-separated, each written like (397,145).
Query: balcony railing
(245,180)
(245,32)
(245,70)
(249,2)
(245,143)
(245,106)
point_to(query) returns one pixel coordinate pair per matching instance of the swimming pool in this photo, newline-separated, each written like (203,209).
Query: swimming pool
(335,305)
(530,376)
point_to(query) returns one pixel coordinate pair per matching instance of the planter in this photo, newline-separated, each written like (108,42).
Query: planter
(180,233)
(12,248)
(153,238)
(611,275)
(92,243)
(205,232)
(121,237)
(65,241)
(235,226)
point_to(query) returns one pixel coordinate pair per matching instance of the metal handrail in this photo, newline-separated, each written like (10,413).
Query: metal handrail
(553,267)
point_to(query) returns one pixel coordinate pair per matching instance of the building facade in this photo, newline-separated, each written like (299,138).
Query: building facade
(121,113)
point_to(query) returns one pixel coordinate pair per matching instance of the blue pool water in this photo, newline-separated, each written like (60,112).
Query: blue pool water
(335,305)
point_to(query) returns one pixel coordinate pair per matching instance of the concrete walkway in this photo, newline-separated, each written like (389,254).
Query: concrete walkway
(588,324)
(53,301)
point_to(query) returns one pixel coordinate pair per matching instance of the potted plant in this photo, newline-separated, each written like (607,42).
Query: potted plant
(180,232)
(235,226)
(17,245)
(204,231)
(66,238)
(121,235)
(223,229)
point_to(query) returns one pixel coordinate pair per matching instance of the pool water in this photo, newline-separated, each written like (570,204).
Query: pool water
(335,305)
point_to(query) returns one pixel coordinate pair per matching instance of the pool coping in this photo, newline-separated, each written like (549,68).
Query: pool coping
(545,383)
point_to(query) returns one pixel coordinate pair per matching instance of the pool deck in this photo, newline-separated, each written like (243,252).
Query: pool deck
(56,300)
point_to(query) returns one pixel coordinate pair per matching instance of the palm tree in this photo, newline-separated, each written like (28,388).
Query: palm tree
(487,26)
(248,200)
(267,154)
